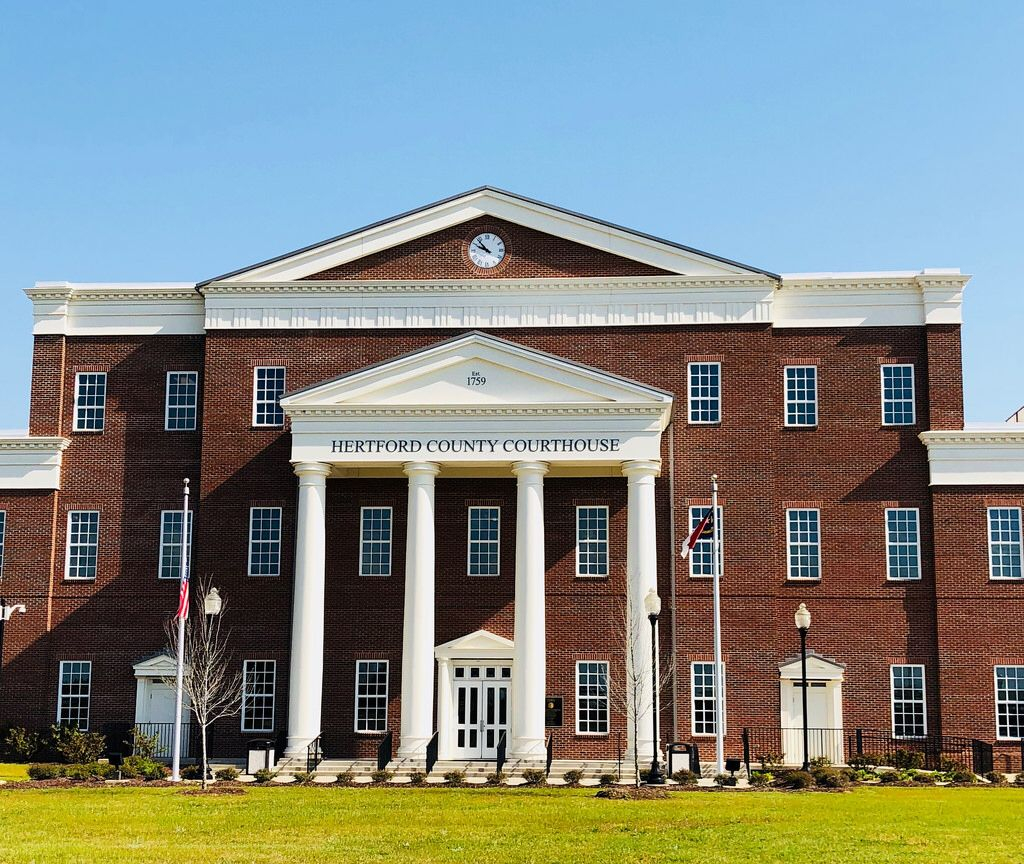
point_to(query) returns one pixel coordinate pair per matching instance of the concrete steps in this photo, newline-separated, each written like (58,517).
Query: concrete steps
(592,769)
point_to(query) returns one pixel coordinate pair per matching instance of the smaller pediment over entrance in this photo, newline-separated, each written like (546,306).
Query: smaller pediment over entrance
(819,668)
(157,666)
(481,645)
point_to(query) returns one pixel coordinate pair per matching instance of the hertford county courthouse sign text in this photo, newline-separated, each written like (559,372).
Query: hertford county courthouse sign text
(482,446)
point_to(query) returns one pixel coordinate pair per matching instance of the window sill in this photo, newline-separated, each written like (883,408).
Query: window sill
(703,422)
(366,733)
(74,580)
(1011,579)
(802,579)
(799,427)
(586,577)
(593,734)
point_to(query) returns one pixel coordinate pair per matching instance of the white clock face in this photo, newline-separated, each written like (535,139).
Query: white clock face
(487,250)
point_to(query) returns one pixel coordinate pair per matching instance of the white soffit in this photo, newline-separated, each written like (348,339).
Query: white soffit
(31,462)
(976,457)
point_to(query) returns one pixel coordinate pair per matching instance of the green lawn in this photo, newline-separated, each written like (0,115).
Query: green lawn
(13,771)
(481,825)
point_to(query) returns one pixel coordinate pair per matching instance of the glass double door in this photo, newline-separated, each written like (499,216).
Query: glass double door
(481,710)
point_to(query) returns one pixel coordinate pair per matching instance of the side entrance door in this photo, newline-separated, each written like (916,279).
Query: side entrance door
(481,713)
(823,738)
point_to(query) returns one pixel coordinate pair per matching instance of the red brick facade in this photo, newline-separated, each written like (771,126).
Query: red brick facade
(849,466)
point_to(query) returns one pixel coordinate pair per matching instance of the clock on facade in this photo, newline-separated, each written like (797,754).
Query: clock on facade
(487,250)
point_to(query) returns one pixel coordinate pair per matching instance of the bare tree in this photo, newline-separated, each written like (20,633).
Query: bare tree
(626,692)
(213,685)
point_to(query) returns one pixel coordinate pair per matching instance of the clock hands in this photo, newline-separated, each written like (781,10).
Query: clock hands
(481,245)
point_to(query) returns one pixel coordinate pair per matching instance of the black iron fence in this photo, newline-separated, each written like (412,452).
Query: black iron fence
(164,735)
(766,746)
(930,752)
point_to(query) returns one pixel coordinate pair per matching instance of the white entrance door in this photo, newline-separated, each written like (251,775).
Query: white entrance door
(823,738)
(156,717)
(481,712)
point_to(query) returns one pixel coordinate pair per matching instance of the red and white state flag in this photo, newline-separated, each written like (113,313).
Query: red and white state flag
(183,597)
(703,531)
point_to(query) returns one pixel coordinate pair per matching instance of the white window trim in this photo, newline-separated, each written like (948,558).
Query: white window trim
(67,549)
(60,691)
(689,389)
(469,542)
(280,544)
(167,401)
(995,697)
(188,543)
(988,539)
(892,698)
(693,700)
(913,392)
(607,698)
(255,395)
(721,539)
(387,697)
(273,697)
(785,397)
(789,547)
(888,576)
(391,541)
(74,423)
(3,540)
(607,541)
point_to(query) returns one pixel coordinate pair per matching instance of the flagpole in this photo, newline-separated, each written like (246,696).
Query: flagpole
(717,572)
(183,582)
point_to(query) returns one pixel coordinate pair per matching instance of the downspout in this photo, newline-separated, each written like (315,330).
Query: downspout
(672,575)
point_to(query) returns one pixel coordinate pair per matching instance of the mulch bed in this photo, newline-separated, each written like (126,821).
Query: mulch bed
(631,793)
(217,789)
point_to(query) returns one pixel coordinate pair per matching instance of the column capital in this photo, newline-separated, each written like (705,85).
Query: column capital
(307,469)
(421,469)
(528,467)
(641,468)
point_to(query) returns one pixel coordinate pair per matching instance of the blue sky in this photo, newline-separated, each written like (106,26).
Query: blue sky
(145,141)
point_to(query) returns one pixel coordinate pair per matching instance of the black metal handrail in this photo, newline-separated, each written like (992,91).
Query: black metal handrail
(502,754)
(765,745)
(384,750)
(314,754)
(549,746)
(431,753)
(936,751)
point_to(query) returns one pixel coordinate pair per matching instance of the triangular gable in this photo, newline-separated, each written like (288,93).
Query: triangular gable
(488,201)
(481,645)
(477,370)
(158,666)
(819,668)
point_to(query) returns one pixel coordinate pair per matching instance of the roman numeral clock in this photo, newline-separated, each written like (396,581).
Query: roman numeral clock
(487,250)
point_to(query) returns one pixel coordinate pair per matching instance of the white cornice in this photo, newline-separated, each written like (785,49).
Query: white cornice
(31,462)
(976,457)
(570,410)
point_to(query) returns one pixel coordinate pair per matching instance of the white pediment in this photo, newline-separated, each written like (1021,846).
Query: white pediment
(481,645)
(819,668)
(159,666)
(487,201)
(475,370)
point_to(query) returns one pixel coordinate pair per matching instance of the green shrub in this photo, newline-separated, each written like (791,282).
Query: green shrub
(304,778)
(455,778)
(997,779)
(45,771)
(534,776)
(819,762)
(573,777)
(865,760)
(761,778)
(381,776)
(907,759)
(20,745)
(74,746)
(496,778)
(608,779)
(948,765)
(645,774)
(685,777)
(140,767)
(345,778)
(143,744)
(264,775)
(924,778)
(188,772)
(962,776)
(829,778)
(417,778)
(769,759)
(1019,779)
(227,775)
(90,771)
(797,780)
(893,776)
(725,780)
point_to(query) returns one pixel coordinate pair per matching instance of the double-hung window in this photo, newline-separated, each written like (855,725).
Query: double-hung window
(702,560)
(803,532)
(375,541)
(702,698)
(1010,702)
(182,400)
(898,394)
(1004,543)
(902,543)
(592,697)
(484,541)
(592,541)
(170,543)
(83,544)
(371,695)
(267,389)
(90,401)
(258,695)
(909,718)
(704,392)
(801,395)
(3,536)
(73,693)
(265,541)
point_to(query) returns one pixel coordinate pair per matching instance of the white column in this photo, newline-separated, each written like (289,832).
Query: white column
(418,634)
(529,657)
(306,675)
(641,576)
(444,710)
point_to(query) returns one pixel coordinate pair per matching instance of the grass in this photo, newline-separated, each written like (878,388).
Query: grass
(13,771)
(544,825)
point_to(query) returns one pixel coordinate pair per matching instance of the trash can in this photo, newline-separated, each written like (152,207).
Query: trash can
(261,756)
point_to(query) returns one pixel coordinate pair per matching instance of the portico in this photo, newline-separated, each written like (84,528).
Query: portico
(475,406)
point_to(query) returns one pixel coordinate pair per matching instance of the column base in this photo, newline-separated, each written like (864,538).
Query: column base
(414,749)
(529,750)
(297,747)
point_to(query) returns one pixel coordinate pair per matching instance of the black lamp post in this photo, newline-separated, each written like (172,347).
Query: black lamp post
(803,624)
(652,605)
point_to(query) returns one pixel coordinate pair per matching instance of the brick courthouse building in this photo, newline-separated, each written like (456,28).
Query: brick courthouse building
(432,457)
